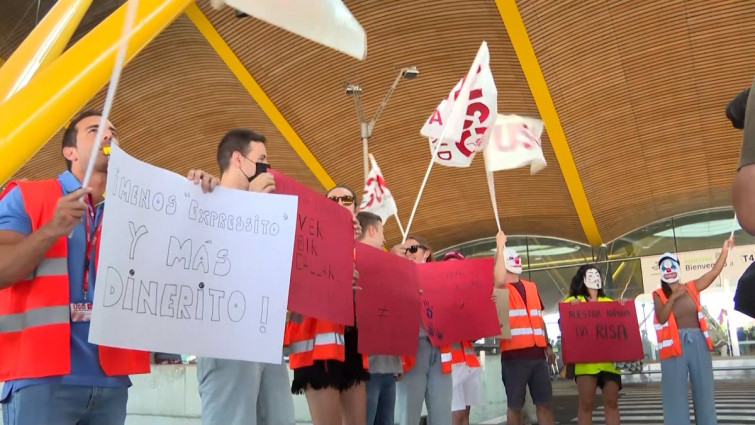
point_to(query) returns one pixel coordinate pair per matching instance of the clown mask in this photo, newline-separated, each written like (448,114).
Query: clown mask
(669,267)
(592,279)
(513,262)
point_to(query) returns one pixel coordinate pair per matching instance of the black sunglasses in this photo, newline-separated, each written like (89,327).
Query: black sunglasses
(345,200)
(414,248)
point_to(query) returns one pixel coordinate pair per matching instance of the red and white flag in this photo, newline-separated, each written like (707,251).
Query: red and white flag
(463,121)
(376,198)
(515,142)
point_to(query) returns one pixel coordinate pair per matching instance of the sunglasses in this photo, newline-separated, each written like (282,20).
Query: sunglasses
(414,248)
(345,200)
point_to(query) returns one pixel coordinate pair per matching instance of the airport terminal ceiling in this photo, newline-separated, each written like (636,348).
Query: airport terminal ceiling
(640,89)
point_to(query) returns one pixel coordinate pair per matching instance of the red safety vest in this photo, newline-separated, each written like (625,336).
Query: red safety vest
(315,339)
(526,321)
(408,362)
(464,353)
(668,334)
(35,326)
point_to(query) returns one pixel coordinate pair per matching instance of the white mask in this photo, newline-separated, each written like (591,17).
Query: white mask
(513,262)
(669,270)
(592,279)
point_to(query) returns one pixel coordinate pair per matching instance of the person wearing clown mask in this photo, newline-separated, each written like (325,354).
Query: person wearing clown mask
(683,341)
(587,286)
(524,356)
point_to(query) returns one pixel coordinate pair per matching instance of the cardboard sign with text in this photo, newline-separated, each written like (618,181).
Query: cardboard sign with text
(502,308)
(456,304)
(323,261)
(600,332)
(387,304)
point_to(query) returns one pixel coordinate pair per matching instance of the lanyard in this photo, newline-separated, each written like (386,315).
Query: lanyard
(91,242)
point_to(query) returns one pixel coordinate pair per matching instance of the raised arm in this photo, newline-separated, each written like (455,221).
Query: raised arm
(22,250)
(499,263)
(704,281)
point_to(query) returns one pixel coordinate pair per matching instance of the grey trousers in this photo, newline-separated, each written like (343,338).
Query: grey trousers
(425,382)
(236,392)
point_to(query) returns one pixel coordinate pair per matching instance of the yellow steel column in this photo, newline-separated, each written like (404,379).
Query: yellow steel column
(34,114)
(42,46)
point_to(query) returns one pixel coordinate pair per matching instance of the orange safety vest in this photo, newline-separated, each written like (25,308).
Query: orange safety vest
(526,321)
(408,362)
(315,339)
(668,334)
(35,326)
(464,353)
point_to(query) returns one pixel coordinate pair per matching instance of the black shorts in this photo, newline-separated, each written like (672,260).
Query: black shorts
(518,374)
(604,377)
(333,373)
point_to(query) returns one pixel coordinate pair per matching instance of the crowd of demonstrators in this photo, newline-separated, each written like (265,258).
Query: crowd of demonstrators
(44,274)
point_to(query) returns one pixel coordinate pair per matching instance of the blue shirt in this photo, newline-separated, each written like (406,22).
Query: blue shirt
(85,362)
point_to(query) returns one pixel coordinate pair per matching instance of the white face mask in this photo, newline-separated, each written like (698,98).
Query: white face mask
(592,279)
(513,262)
(669,271)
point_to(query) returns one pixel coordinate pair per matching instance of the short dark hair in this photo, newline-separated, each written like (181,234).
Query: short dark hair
(368,219)
(236,140)
(735,110)
(69,135)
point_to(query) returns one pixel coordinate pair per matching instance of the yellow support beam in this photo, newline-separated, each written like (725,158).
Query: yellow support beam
(514,24)
(34,114)
(42,46)
(233,63)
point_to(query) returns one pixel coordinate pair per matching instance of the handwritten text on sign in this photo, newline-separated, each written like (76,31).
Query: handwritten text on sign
(323,262)
(456,300)
(180,271)
(600,332)
(387,304)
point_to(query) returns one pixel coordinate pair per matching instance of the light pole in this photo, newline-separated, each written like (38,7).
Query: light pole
(366,127)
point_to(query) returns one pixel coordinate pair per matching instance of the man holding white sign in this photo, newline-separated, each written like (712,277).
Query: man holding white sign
(49,241)
(237,392)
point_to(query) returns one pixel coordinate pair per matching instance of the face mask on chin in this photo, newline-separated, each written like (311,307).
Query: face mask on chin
(513,262)
(592,279)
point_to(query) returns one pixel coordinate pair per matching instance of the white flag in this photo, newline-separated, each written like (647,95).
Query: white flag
(465,118)
(377,199)
(515,142)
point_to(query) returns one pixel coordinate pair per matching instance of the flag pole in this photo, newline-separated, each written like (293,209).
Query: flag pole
(400,227)
(491,187)
(424,182)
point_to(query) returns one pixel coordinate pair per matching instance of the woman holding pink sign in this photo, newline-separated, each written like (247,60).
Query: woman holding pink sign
(587,286)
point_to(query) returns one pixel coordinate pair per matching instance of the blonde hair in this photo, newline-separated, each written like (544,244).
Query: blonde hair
(217,4)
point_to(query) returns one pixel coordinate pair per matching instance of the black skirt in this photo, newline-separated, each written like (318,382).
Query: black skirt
(333,373)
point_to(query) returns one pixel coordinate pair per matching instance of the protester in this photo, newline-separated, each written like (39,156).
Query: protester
(465,372)
(427,375)
(236,392)
(381,388)
(526,355)
(683,341)
(49,242)
(741,112)
(587,286)
(328,369)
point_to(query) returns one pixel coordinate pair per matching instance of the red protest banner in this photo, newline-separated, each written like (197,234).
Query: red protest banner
(323,263)
(387,304)
(600,332)
(456,300)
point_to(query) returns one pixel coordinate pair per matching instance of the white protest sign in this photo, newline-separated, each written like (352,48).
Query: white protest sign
(181,271)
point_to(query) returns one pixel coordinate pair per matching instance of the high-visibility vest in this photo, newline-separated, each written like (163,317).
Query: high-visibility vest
(408,362)
(526,321)
(315,339)
(35,326)
(463,352)
(668,334)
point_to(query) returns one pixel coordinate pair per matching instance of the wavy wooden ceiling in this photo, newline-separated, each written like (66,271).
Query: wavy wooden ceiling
(640,88)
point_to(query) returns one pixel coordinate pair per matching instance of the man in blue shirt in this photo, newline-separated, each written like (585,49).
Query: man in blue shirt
(86,395)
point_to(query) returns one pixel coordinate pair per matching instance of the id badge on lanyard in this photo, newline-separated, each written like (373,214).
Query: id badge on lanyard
(82,311)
